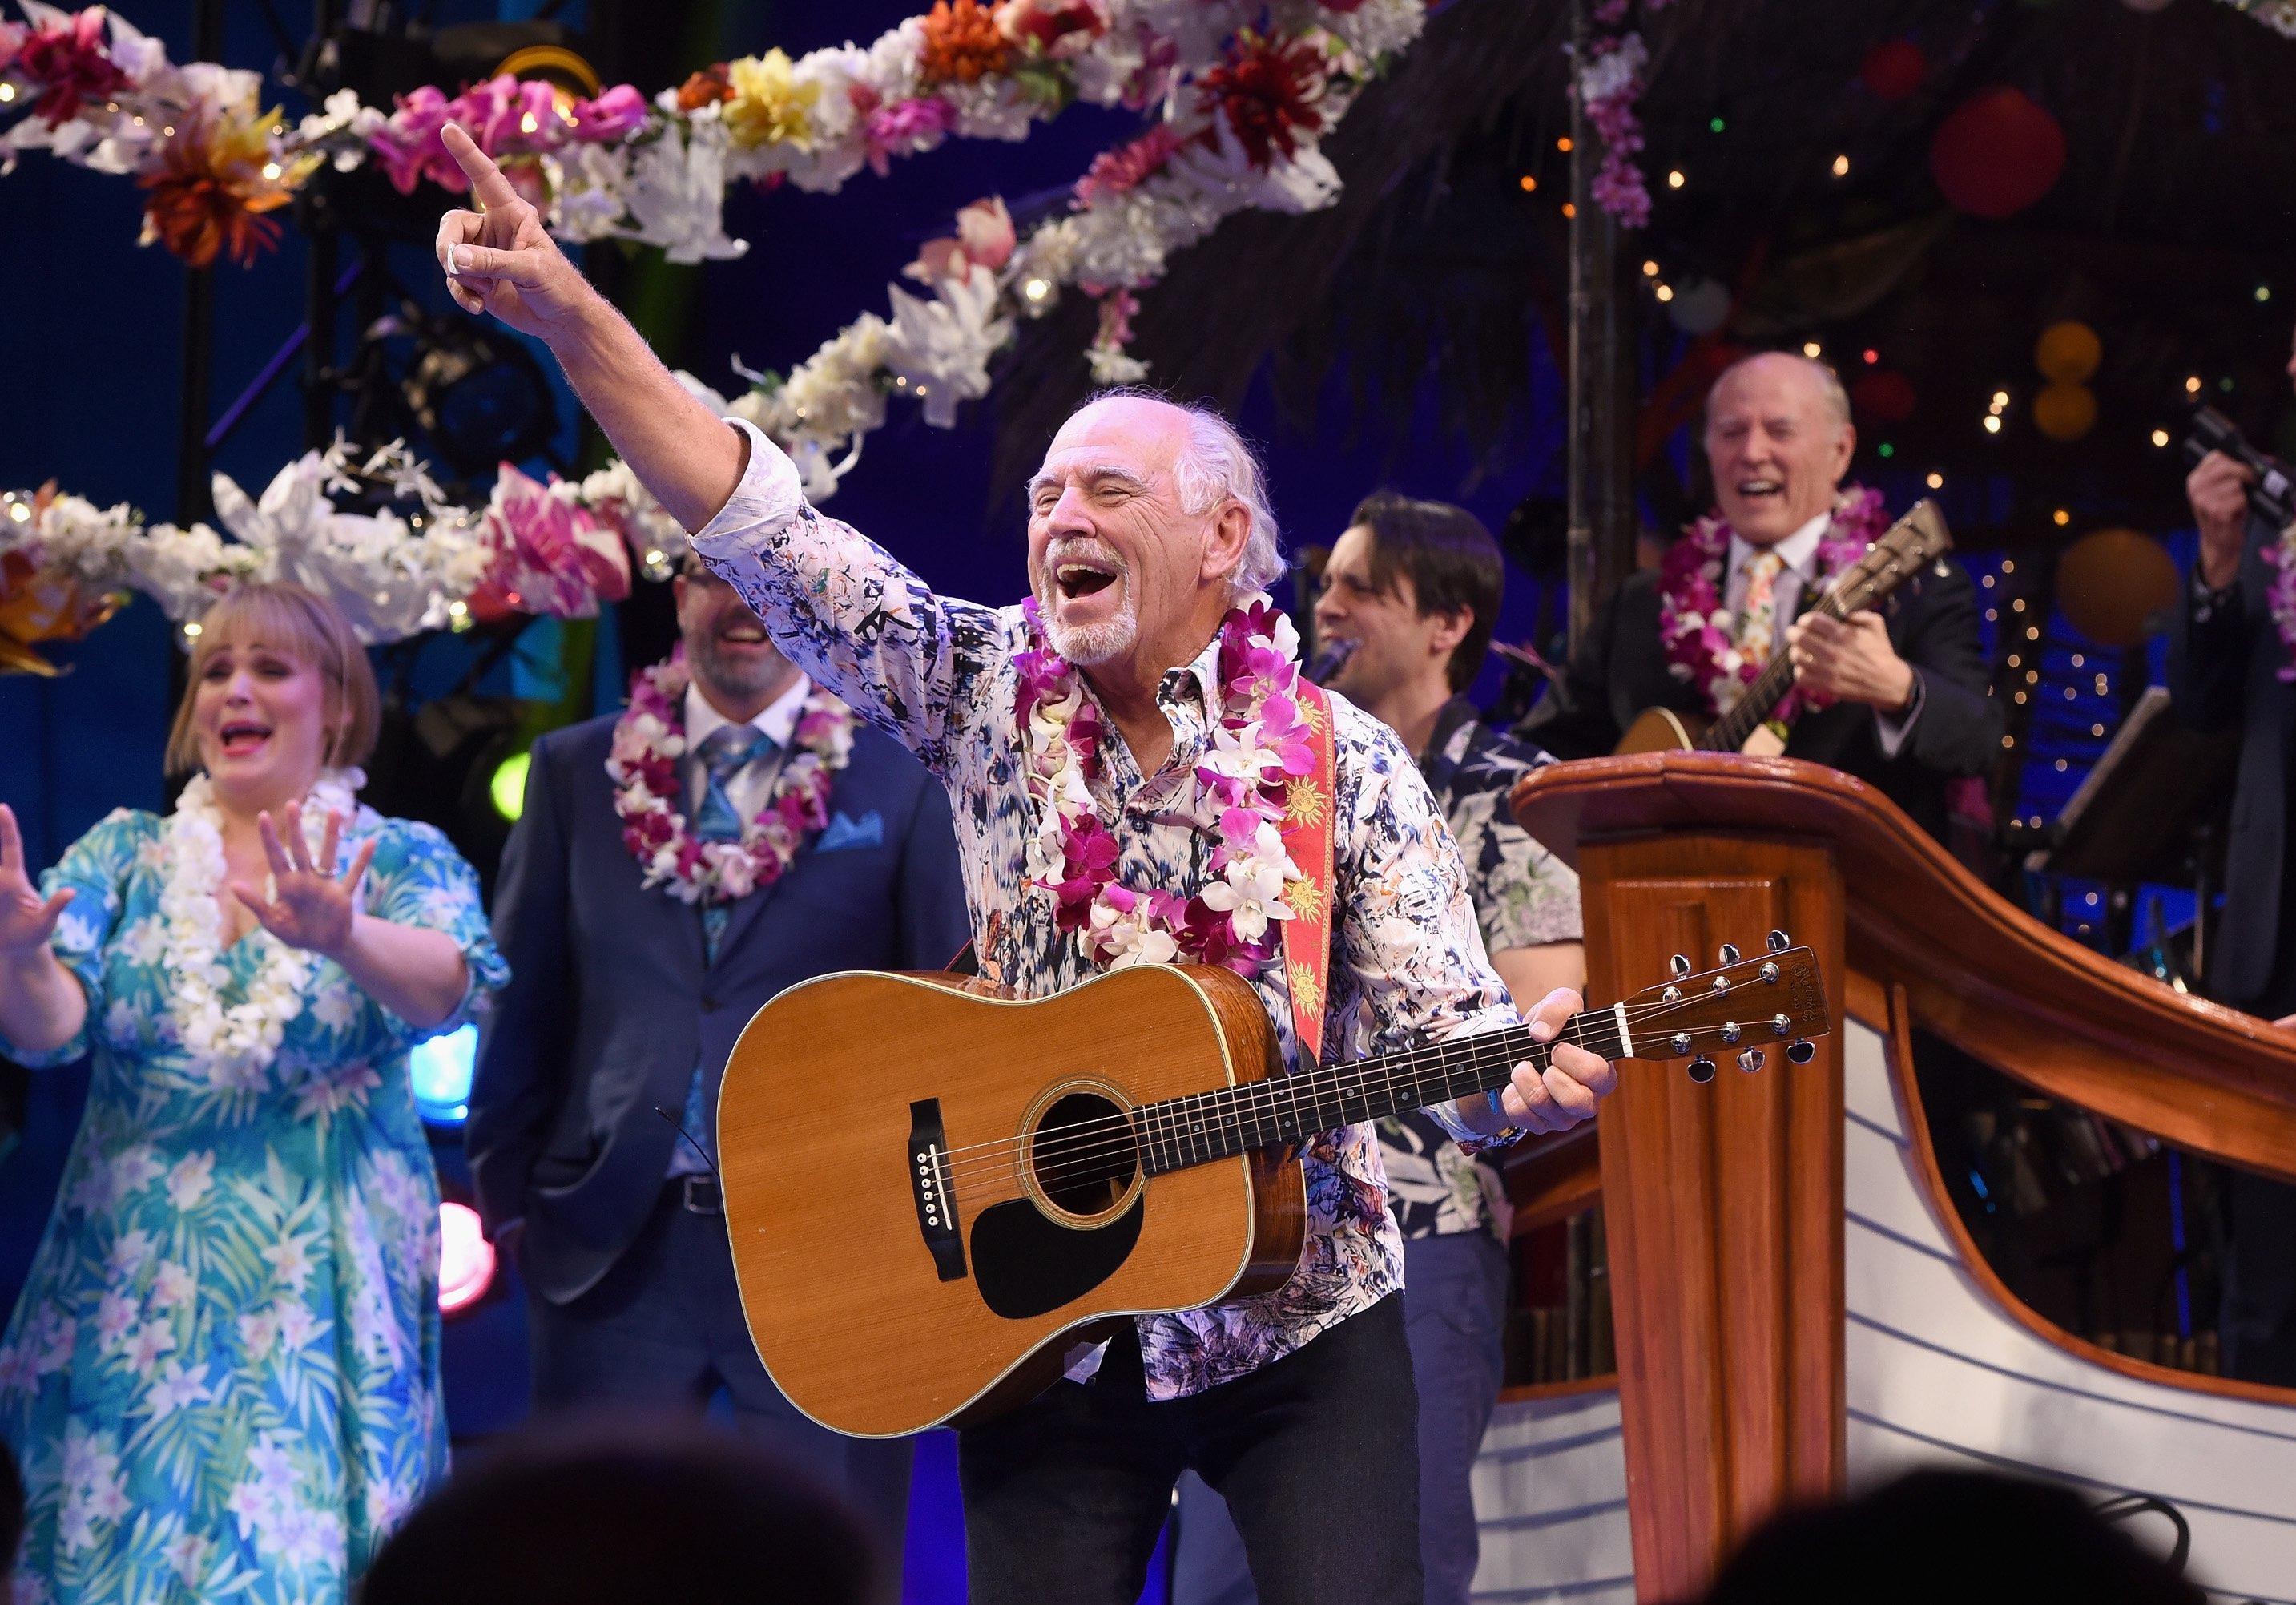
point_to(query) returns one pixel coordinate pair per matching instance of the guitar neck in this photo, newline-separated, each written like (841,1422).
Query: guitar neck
(1202,1127)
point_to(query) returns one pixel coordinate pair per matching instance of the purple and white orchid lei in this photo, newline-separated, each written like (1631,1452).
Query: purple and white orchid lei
(1699,635)
(1259,745)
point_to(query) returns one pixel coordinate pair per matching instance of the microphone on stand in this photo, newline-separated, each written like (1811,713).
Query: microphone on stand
(1330,658)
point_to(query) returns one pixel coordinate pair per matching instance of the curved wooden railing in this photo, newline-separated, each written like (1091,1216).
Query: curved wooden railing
(1724,1203)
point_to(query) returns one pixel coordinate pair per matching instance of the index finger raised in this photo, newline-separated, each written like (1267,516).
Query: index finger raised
(487,180)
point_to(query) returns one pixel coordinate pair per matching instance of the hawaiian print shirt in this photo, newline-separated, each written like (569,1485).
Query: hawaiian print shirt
(1524,896)
(1408,964)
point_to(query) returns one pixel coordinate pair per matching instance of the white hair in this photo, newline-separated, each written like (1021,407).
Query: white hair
(1217,464)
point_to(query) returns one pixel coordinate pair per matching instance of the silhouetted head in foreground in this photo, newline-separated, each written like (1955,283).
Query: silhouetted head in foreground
(1969,1539)
(604,1512)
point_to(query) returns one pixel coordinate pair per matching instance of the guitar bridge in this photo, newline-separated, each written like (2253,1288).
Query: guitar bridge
(929,1185)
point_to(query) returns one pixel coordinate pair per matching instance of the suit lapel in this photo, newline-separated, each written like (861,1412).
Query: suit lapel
(744,913)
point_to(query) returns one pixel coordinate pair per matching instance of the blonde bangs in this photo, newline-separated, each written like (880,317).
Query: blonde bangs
(287,618)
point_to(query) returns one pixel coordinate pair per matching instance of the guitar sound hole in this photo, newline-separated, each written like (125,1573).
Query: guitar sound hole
(1083,1156)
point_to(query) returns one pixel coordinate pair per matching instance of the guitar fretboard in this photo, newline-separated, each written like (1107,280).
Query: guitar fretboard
(1206,1126)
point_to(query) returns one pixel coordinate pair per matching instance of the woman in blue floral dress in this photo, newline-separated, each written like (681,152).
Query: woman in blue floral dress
(222,1378)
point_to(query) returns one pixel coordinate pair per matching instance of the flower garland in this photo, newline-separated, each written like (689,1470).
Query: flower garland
(1258,748)
(1608,83)
(1698,633)
(2280,595)
(234,1045)
(648,745)
(101,94)
(2278,15)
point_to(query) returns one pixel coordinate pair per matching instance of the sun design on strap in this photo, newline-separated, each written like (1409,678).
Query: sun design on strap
(1306,900)
(1311,715)
(1303,802)
(1306,989)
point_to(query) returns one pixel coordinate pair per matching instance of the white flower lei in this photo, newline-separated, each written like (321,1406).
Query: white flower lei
(234,1045)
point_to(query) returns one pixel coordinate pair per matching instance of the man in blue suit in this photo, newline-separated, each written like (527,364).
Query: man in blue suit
(735,832)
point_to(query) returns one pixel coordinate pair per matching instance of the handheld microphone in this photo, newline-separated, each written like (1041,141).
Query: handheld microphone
(1330,658)
(2273,496)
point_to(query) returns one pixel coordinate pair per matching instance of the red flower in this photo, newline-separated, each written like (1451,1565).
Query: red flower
(71,64)
(1269,91)
(207,192)
(961,44)
(706,88)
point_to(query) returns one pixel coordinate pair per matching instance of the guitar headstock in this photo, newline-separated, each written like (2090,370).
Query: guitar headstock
(1740,1007)
(1908,545)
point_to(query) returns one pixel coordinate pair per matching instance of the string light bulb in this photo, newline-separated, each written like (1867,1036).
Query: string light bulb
(1811,349)
(1841,167)
(1936,482)
(1564,144)
(1664,292)
(1528,184)
(1675,180)
(1992,423)
(2160,437)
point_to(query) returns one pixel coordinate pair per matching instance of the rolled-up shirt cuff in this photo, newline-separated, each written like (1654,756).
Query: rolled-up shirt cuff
(1894,728)
(767,499)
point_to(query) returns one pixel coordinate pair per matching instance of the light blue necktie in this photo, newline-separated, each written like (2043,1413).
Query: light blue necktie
(726,751)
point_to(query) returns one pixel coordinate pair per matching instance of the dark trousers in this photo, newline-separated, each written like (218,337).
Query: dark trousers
(1316,1453)
(1454,1314)
(664,1328)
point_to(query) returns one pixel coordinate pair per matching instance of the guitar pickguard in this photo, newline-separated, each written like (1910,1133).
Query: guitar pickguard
(1025,1264)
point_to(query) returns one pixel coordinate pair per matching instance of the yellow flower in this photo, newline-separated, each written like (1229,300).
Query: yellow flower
(770,105)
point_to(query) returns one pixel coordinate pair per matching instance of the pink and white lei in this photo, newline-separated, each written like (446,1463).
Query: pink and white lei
(1259,745)
(2280,595)
(649,789)
(1699,634)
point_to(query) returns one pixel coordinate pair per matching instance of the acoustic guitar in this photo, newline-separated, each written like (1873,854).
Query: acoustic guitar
(933,1196)
(1914,542)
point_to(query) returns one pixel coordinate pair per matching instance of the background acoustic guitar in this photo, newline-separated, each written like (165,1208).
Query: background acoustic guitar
(1909,545)
(933,1196)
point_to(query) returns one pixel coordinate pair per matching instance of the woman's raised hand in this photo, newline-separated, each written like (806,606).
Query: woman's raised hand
(26,919)
(310,906)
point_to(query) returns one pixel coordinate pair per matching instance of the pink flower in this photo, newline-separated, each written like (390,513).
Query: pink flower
(984,239)
(551,557)
(11,39)
(1117,172)
(71,64)
(618,111)
(905,128)
(407,142)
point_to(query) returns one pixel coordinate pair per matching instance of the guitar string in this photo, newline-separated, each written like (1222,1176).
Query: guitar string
(1118,1131)
(1063,1145)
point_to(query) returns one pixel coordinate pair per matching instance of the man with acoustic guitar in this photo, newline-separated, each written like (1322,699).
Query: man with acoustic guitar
(1896,698)
(1131,757)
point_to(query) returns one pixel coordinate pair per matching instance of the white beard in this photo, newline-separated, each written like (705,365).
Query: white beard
(1087,645)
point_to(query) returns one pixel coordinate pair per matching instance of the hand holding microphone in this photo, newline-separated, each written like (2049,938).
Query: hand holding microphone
(2230,478)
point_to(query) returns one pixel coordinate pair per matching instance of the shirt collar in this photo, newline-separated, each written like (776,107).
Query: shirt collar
(778,720)
(1204,672)
(1799,550)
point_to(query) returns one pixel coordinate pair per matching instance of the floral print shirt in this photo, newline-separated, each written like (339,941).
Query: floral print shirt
(222,1378)
(1524,896)
(1408,964)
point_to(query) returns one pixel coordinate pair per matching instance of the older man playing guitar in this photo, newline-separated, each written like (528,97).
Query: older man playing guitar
(1109,749)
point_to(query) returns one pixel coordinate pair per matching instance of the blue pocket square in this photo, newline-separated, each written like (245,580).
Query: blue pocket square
(845,831)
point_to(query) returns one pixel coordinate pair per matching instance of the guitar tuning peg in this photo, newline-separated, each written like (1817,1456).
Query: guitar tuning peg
(1729,952)
(1750,1060)
(1679,965)
(1780,942)
(1701,1069)
(1801,1052)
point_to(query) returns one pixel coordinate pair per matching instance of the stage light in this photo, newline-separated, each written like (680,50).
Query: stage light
(1872,356)
(1717,123)
(507,786)
(1886,449)
(466,1260)
(440,1070)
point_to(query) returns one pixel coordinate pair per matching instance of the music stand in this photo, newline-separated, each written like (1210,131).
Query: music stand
(2149,811)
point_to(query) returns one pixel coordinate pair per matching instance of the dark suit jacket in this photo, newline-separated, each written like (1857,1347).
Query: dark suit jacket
(610,1005)
(2223,670)
(1932,620)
